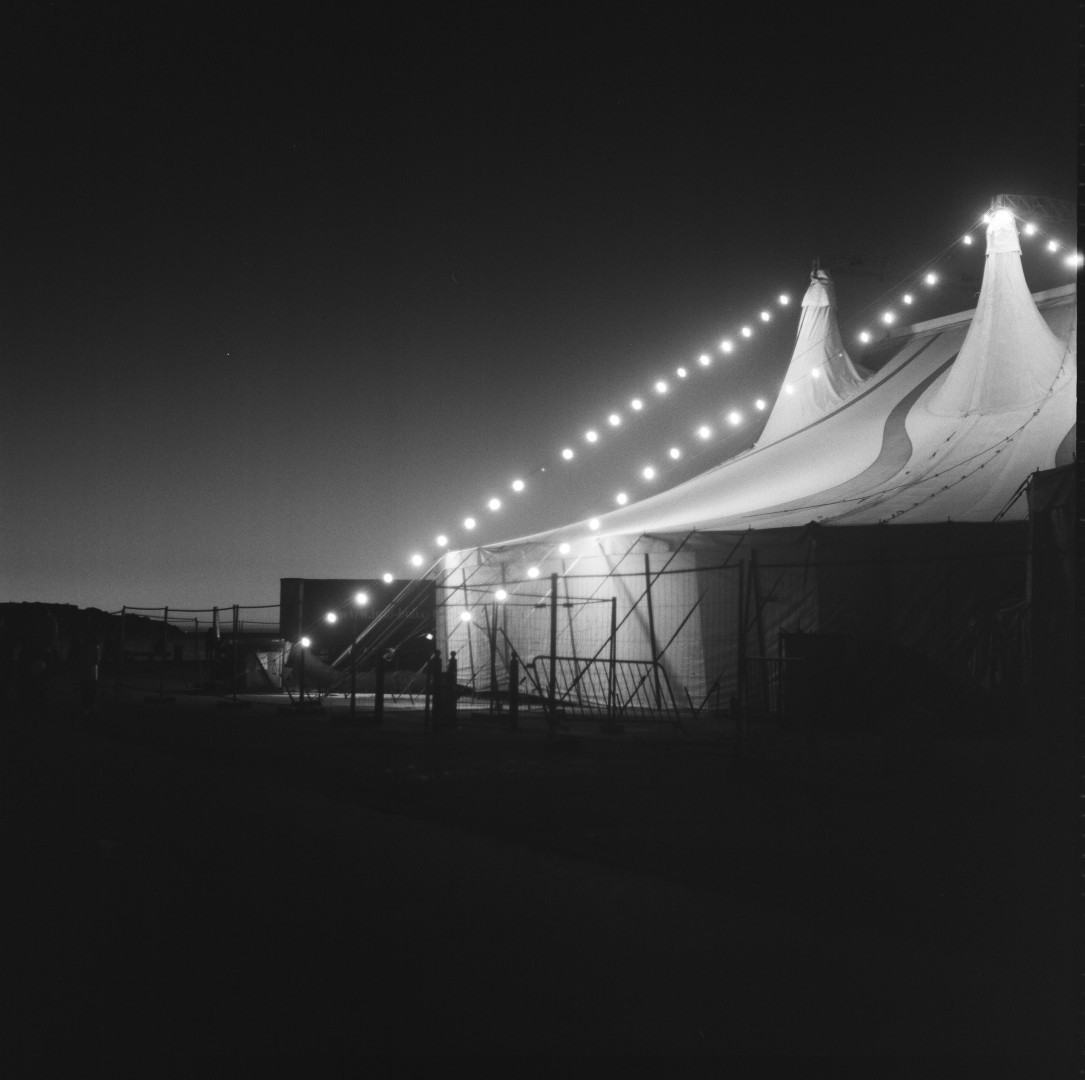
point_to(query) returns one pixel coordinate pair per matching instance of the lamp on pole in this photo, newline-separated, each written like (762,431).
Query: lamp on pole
(304,643)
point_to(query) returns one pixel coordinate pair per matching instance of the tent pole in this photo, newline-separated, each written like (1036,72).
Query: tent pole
(611,675)
(652,628)
(551,703)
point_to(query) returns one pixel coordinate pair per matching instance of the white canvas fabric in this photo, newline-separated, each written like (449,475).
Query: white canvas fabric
(1010,358)
(821,376)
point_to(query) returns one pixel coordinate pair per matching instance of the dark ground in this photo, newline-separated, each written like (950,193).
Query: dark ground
(198,882)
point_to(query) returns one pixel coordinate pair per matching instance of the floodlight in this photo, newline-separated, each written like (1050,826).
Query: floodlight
(907,298)
(704,359)
(788,388)
(494,504)
(1052,245)
(815,374)
(388,579)
(765,316)
(416,560)
(675,452)
(681,373)
(864,337)
(636,404)
(564,549)
(593,524)
(661,386)
(567,453)
(305,642)
(747,332)
(704,431)
(621,498)
(734,417)
(614,419)
(592,436)
(532,571)
(331,618)
(500,594)
(442,540)
(361,598)
(465,616)
(967,238)
(469,523)
(517,485)
(726,346)
(649,472)
(931,279)
(1030,229)
(785,299)
(760,404)
(888,317)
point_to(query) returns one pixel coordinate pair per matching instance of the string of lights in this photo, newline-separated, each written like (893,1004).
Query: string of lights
(903,296)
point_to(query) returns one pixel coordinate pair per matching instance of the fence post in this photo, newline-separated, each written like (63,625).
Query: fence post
(165,646)
(551,693)
(235,617)
(378,697)
(494,707)
(514,691)
(652,630)
(613,672)
(120,652)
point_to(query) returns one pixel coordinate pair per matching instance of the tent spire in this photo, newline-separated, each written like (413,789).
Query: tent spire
(1010,358)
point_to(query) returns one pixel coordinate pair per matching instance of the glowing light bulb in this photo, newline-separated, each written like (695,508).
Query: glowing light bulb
(1052,245)
(784,299)
(931,279)
(889,317)
(465,616)
(621,498)
(760,405)
(1030,229)
(864,336)
(636,404)
(788,388)
(564,549)
(907,298)
(726,346)
(567,453)
(765,316)
(734,417)
(661,386)
(987,217)
(704,359)
(704,431)
(442,540)
(533,572)
(331,617)
(815,374)
(591,436)
(469,523)
(681,373)
(593,524)
(387,579)
(361,598)
(1075,260)
(648,473)
(305,642)
(614,419)
(494,504)
(747,332)
(416,560)
(500,594)
(675,453)
(967,239)
(517,485)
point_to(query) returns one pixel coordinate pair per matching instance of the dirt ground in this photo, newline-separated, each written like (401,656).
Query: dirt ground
(194,881)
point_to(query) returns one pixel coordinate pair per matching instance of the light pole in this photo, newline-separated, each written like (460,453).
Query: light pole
(360,601)
(304,643)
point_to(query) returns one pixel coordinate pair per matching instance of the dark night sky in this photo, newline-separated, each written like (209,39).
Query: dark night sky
(286,294)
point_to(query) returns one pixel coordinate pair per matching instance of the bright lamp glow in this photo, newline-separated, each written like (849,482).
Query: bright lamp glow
(864,336)
(636,404)
(305,642)
(661,386)
(387,579)
(760,405)
(416,560)
(931,279)
(567,453)
(1052,245)
(517,485)
(967,238)
(361,598)
(500,594)
(704,431)
(494,504)
(614,419)
(889,317)
(704,359)
(465,616)
(765,316)
(1075,260)
(564,549)
(987,217)
(532,571)
(815,374)
(675,452)
(648,473)
(591,436)
(469,523)
(788,388)
(734,417)
(621,498)
(331,617)
(681,373)
(441,541)
(1030,229)
(726,346)
(907,298)
(785,299)
(747,332)
(593,524)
